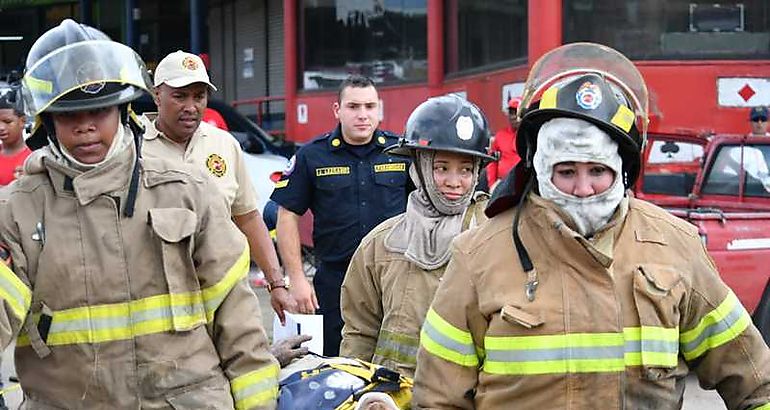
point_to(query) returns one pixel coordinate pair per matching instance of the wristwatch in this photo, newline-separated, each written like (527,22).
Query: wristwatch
(280,283)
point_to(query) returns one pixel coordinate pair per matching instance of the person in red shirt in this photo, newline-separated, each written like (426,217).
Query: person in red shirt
(504,143)
(13,151)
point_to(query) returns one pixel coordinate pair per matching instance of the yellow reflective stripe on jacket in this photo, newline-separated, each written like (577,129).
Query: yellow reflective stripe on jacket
(14,292)
(762,407)
(581,352)
(154,314)
(121,321)
(716,328)
(214,295)
(257,388)
(651,346)
(441,339)
(397,347)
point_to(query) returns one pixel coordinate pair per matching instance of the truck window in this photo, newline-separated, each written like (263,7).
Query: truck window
(755,162)
(724,176)
(672,167)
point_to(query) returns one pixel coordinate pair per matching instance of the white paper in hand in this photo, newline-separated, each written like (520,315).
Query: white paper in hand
(297,324)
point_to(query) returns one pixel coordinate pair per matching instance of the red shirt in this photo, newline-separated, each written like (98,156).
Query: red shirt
(505,144)
(8,164)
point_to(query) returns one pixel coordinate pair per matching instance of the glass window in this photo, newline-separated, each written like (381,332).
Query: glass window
(724,175)
(480,33)
(755,162)
(383,39)
(672,29)
(672,167)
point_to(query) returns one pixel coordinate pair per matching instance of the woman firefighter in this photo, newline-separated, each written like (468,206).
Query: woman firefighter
(574,294)
(126,286)
(395,271)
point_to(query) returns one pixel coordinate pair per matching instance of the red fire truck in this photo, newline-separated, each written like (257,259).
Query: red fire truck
(705,62)
(721,184)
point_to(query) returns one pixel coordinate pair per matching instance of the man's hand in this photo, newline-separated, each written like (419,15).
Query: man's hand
(286,350)
(281,300)
(304,295)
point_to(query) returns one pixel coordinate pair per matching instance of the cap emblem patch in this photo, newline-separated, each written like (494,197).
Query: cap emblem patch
(190,63)
(589,96)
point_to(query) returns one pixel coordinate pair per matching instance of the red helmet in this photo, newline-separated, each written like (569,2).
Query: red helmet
(513,103)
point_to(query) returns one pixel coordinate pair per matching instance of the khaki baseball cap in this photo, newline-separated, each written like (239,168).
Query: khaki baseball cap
(180,69)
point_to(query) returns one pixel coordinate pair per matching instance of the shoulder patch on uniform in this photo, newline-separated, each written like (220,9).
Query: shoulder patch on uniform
(216,165)
(281,184)
(327,171)
(290,166)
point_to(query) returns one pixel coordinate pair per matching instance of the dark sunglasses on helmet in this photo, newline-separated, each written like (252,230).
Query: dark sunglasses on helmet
(759,119)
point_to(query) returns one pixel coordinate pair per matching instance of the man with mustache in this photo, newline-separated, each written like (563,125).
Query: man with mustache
(182,87)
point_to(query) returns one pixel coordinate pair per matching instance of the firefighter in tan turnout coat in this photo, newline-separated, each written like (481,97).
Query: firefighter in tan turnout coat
(395,271)
(573,295)
(126,285)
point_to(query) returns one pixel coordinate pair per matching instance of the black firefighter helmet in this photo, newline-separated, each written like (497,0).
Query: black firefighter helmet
(74,67)
(592,98)
(445,123)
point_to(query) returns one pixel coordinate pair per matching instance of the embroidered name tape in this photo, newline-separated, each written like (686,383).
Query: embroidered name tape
(326,171)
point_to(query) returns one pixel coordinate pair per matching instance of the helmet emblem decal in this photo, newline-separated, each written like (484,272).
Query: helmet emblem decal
(190,63)
(464,127)
(88,75)
(589,96)
(216,165)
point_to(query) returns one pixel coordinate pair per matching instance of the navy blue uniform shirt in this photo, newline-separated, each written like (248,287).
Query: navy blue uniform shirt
(349,188)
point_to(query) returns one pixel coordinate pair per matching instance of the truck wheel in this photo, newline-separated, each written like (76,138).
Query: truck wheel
(762,314)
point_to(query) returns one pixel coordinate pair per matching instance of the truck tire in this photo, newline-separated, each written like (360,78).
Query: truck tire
(762,314)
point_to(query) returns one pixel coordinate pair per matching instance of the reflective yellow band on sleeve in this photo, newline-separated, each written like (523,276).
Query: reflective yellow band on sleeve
(397,347)
(581,352)
(214,295)
(446,341)
(256,389)
(154,314)
(716,328)
(763,407)
(651,346)
(14,292)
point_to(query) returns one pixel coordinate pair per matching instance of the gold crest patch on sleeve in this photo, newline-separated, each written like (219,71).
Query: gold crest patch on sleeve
(216,165)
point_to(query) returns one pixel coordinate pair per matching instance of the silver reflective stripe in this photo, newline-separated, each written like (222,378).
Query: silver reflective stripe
(8,286)
(397,347)
(560,353)
(648,345)
(118,322)
(446,342)
(716,328)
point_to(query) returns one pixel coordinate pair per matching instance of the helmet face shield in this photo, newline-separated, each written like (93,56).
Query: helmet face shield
(590,82)
(98,73)
(576,59)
